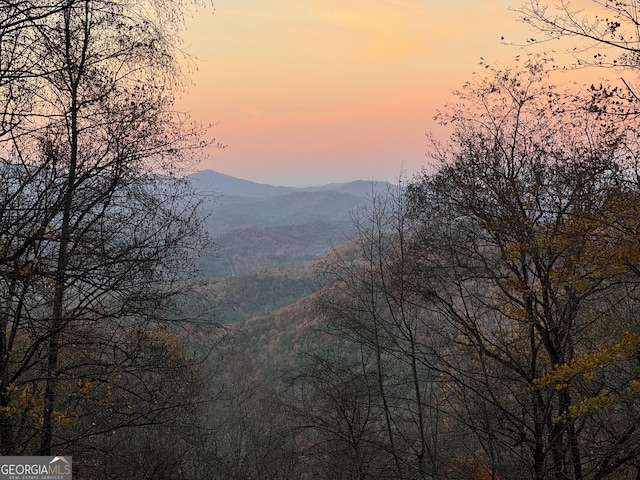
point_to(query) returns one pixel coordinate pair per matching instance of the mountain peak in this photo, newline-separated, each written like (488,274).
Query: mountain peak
(210,181)
(223,184)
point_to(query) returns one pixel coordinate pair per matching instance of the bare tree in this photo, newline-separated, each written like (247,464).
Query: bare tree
(522,266)
(374,312)
(19,62)
(99,235)
(602,25)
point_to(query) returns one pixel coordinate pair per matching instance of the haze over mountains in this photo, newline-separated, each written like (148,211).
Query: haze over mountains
(258,227)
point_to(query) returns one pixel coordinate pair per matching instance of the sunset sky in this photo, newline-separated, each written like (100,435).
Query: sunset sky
(316,91)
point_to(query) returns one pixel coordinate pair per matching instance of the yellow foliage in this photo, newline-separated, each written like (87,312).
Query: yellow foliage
(26,403)
(585,407)
(26,393)
(587,364)
(516,312)
(589,405)
(84,387)
(513,250)
(633,390)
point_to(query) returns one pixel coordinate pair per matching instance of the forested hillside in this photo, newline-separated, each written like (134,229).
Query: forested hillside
(258,227)
(244,296)
(483,321)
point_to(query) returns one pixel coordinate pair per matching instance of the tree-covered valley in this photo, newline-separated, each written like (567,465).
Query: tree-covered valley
(477,320)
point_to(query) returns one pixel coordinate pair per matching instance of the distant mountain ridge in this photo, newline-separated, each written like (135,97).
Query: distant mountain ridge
(258,227)
(223,184)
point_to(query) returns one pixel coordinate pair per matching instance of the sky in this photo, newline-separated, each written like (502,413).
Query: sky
(308,92)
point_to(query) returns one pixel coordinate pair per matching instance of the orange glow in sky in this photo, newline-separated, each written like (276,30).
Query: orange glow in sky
(316,91)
